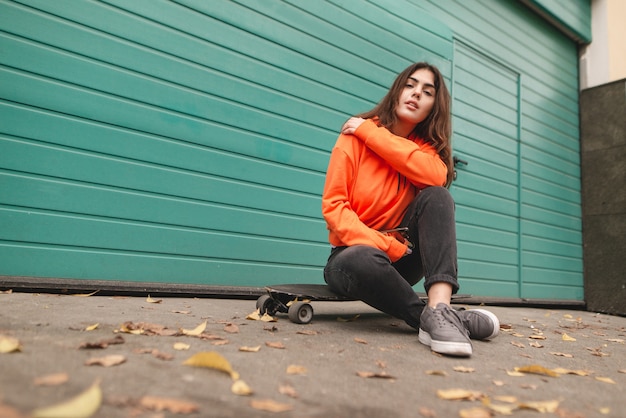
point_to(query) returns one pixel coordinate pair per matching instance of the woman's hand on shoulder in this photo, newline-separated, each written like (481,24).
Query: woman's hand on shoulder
(351,125)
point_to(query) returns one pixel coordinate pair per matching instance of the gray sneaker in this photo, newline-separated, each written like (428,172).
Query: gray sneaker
(481,324)
(443,331)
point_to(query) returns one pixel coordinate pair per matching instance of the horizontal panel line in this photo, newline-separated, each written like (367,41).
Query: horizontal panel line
(134,191)
(105,251)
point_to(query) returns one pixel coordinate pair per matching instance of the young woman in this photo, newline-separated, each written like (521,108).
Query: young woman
(390,168)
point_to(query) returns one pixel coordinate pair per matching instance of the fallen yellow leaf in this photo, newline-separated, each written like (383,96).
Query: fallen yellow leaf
(605,411)
(560,370)
(241,388)
(295,369)
(175,406)
(231,328)
(476,412)
(458,394)
(268,318)
(83,405)
(543,407)
(247,349)
(536,369)
(270,405)
(212,360)
(181,346)
(254,316)
(566,337)
(9,344)
(196,331)
(86,295)
(92,327)
(106,361)
(150,300)
(605,380)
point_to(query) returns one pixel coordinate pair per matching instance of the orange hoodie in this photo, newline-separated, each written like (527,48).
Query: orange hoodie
(372,177)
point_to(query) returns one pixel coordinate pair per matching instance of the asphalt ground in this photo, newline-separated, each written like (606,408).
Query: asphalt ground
(350,361)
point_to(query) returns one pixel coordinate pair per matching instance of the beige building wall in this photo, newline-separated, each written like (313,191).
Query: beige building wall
(604,59)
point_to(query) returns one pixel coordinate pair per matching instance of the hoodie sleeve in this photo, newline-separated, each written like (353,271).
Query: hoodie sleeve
(418,162)
(343,223)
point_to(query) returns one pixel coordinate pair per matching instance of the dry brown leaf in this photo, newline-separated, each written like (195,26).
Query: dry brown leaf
(150,300)
(220,342)
(542,407)
(288,390)
(118,339)
(605,380)
(476,412)
(9,344)
(54,379)
(463,369)
(536,369)
(270,405)
(6,292)
(106,361)
(212,360)
(146,328)
(427,412)
(566,337)
(92,327)
(296,369)
(459,394)
(307,332)
(560,370)
(161,355)
(82,405)
(360,340)
(535,344)
(7,411)
(247,349)
(622,371)
(516,344)
(181,312)
(555,353)
(436,372)
(275,344)
(231,328)
(196,331)
(181,346)
(615,340)
(370,375)
(517,334)
(241,388)
(175,406)
(498,383)
(537,337)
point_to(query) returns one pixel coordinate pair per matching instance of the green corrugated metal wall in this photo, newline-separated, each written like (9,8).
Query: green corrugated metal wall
(186,141)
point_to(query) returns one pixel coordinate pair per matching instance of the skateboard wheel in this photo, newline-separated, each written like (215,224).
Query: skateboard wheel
(265,305)
(300,313)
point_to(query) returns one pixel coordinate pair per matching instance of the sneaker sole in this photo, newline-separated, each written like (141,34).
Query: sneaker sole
(445,347)
(495,320)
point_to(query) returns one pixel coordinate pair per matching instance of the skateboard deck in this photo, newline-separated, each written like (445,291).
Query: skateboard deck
(295,300)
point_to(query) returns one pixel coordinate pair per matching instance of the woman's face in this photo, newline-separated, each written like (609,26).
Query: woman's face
(416,100)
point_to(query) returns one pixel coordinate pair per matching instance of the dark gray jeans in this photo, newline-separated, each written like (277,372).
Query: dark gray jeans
(366,273)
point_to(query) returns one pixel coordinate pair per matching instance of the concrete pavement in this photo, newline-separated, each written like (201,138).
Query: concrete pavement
(351,361)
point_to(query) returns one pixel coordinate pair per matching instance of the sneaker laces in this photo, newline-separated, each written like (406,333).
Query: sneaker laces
(447,317)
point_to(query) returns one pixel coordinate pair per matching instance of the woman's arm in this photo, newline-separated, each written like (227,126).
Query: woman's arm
(418,162)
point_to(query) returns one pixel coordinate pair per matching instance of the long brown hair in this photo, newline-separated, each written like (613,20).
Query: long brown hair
(436,128)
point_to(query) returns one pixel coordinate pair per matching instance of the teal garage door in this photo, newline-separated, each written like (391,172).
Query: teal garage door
(515,111)
(185,141)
